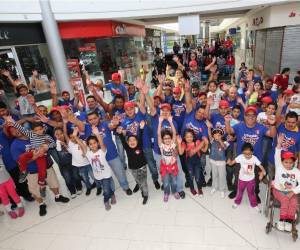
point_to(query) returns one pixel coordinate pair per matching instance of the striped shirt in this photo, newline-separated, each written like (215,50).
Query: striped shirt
(36,140)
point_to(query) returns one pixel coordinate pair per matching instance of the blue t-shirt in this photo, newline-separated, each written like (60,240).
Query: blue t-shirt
(62,102)
(165,125)
(132,127)
(178,112)
(291,141)
(253,135)
(218,121)
(198,126)
(116,89)
(233,103)
(7,158)
(105,131)
(168,99)
(83,114)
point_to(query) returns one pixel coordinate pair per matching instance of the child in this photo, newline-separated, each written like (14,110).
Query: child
(192,148)
(25,107)
(95,152)
(295,100)
(7,189)
(246,175)
(39,145)
(286,186)
(236,112)
(168,163)
(217,160)
(262,117)
(215,94)
(136,160)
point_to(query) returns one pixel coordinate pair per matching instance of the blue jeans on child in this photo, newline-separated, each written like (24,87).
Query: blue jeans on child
(85,172)
(169,182)
(107,185)
(195,170)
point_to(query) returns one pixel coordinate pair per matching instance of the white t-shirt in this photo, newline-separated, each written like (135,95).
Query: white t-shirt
(216,98)
(168,153)
(247,167)
(78,160)
(101,169)
(295,99)
(25,107)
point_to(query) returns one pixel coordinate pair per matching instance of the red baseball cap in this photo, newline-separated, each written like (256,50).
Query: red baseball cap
(129,105)
(193,63)
(270,80)
(266,99)
(116,77)
(165,106)
(251,109)
(177,90)
(201,94)
(288,155)
(223,104)
(288,92)
(65,92)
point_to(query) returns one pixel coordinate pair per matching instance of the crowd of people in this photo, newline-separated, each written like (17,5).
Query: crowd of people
(190,133)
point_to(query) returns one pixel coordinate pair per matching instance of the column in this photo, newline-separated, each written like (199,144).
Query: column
(206,30)
(55,47)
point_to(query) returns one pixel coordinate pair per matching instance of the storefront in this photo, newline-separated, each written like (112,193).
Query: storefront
(22,49)
(103,47)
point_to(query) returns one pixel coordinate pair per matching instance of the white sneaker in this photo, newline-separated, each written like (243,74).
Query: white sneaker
(280,225)
(73,196)
(257,209)
(222,195)
(288,226)
(234,206)
(213,191)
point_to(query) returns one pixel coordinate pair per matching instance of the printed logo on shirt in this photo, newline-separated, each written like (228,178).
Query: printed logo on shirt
(219,125)
(287,143)
(252,139)
(96,163)
(137,151)
(120,115)
(178,109)
(133,128)
(194,128)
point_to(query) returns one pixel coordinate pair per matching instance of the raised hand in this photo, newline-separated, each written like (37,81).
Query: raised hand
(30,99)
(208,124)
(8,119)
(43,118)
(75,131)
(280,139)
(187,85)
(161,78)
(170,119)
(271,119)
(139,83)
(178,139)
(145,89)
(214,60)
(281,101)
(160,119)
(95,130)
(142,124)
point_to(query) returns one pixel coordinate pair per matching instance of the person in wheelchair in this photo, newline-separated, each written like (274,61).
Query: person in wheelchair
(286,186)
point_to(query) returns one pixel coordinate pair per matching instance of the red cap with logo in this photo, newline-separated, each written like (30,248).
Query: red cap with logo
(266,99)
(116,77)
(251,109)
(288,155)
(193,63)
(165,106)
(223,104)
(177,90)
(129,105)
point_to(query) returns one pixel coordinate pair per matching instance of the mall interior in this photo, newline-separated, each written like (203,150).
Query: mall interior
(80,40)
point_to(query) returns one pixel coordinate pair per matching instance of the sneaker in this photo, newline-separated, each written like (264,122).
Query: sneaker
(166,197)
(232,195)
(62,199)
(21,211)
(257,209)
(43,192)
(200,192)
(113,200)
(88,192)
(128,191)
(280,225)
(213,191)
(157,185)
(73,196)
(193,191)
(186,184)
(177,196)
(12,214)
(222,195)
(145,199)
(22,177)
(234,206)
(79,192)
(182,194)
(29,198)
(136,188)
(93,185)
(209,182)
(99,191)
(43,210)
(107,206)
(288,226)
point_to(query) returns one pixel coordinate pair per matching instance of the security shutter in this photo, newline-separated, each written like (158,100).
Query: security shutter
(291,50)
(260,41)
(273,51)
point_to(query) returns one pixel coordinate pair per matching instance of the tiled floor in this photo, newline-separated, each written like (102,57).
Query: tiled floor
(195,223)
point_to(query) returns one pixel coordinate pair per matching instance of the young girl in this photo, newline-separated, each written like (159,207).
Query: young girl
(192,148)
(168,163)
(217,160)
(286,186)
(295,100)
(136,160)
(95,152)
(246,175)
(215,94)
(7,189)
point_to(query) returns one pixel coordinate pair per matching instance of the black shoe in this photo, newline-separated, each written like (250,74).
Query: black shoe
(230,187)
(28,198)
(258,199)
(157,185)
(209,183)
(186,184)
(99,191)
(204,184)
(88,192)
(128,191)
(62,199)
(22,177)
(145,199)
(43,210)
(232,195)
(13,206)
(136,188)
(93,185)
(182,194)
(162,187)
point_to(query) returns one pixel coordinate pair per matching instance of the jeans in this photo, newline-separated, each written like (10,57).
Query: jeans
(266,149)
(195,171)
(121,151)
(85,172)
(119,172)
(107,186)
(140,176)
(71,177)
(169,182)
(148,153)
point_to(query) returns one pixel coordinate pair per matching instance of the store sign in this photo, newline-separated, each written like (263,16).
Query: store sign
(4,35)
(257,21)
(87,48)
(120,29)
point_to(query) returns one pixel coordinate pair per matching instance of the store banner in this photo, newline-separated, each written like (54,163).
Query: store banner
(75,78)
